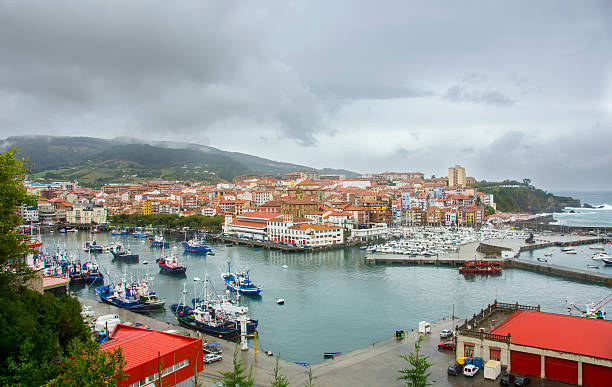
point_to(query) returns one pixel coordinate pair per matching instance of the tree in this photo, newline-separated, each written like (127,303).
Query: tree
(87,365)
(309,382)
(417,375)
(13,246)
(236,377)
(490,210)
(279,380)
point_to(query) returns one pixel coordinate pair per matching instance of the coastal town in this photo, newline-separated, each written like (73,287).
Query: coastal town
(302,209)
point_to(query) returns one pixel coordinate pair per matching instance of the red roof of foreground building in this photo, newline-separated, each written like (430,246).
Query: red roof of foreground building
(141,345)
(258,215)
(558,332)
(246,223)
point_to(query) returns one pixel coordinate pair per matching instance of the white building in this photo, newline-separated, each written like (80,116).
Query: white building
(262,197)
(81,214)
(209,211)
(379,230)
(28,213)
(313,235)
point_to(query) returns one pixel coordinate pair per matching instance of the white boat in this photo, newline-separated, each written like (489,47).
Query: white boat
(280,301)
(596,247)
(592,266)
(572,251)
(566,249)
(601,256)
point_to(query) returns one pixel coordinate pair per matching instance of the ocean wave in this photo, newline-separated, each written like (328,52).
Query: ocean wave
(599,207)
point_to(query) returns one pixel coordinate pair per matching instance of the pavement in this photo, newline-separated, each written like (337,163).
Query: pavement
(374,365)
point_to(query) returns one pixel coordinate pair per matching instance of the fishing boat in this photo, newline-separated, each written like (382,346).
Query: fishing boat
(206,321)
(92,273)
(331,355)
(158,241)
(119,232)
(120,253)
(196,246)
(542,259)
(481,267)
(147,295)
(170,265)
(138,233)
(226,306)
(123,296)
(240,282)
(92,247)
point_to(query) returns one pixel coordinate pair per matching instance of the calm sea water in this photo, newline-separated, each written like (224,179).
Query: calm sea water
(333,301)
(585,216)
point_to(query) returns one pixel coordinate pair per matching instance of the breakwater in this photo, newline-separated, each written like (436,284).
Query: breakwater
(562,271)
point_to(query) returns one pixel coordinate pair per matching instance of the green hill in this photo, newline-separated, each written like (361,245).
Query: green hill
(513,196)
(95,161)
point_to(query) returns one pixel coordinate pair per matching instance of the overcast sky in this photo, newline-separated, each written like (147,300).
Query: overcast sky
(507,89)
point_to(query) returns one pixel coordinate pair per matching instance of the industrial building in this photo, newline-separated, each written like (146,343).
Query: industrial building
(527,341)
(150,354)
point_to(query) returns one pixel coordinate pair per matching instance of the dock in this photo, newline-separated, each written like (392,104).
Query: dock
(562,271)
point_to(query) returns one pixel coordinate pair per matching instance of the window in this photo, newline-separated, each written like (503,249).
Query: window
(468,350)
(495,353)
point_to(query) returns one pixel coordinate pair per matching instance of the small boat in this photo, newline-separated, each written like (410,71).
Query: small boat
(302,364)
(592,266)
(571,251)
(542,259)
(240,282)
(280,301)
(331,355)
(62,231)
(170,265)
(158,241)
(548,254)
(607,261)
(123,254)
(196,246)
(284,266)
(597,247)
(72,230)
(92,247)
(229,245)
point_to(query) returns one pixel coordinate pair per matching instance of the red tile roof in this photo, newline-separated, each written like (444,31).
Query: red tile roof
(140,345)
(558,332)
(246,223)
(258,215)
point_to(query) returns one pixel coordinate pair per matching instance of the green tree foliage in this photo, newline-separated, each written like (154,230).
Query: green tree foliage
(237,377)
(278,379)
(416,375)
(309,382)
(88,366)
(169,221)
(13,246)
(490,210)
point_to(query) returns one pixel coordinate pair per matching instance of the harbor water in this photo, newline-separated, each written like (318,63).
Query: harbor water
(601,216)
(333,301)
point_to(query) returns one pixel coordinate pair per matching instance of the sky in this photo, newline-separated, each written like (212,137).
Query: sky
(519,89)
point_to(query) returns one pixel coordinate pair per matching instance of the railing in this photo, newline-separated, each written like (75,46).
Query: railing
(483,335)
(517,306)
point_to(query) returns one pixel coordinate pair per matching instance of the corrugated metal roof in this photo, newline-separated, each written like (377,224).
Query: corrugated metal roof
(141,345)
(572,334)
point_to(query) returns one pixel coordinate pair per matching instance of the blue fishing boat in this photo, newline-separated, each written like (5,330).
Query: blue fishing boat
(158,241)
(123,296)
(240,282)
(138,233)
(196,246)
(92,273)
(119,232)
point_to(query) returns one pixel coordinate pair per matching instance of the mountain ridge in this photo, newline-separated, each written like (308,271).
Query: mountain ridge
(95,161)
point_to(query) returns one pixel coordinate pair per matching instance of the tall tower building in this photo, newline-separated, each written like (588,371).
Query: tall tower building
(456,176)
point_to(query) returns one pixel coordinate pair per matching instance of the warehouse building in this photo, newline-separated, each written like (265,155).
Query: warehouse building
(527,341)
(150,354)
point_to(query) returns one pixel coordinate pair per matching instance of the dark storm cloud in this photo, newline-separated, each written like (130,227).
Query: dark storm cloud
(464,94)
(148,66)
(550,163)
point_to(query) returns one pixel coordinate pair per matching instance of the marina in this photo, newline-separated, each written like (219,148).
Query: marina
(311,321)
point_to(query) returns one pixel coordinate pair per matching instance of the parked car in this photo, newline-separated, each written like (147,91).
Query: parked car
(211,358)
(470,370)
(451,344)
(522,381)
(506,379)
(454,369)
(446,333)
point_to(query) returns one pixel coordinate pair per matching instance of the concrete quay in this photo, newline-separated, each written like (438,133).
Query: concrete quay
(563,271)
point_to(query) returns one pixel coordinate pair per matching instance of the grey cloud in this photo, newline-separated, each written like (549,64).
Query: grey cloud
(360,90)
(148,67)
(459,93)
